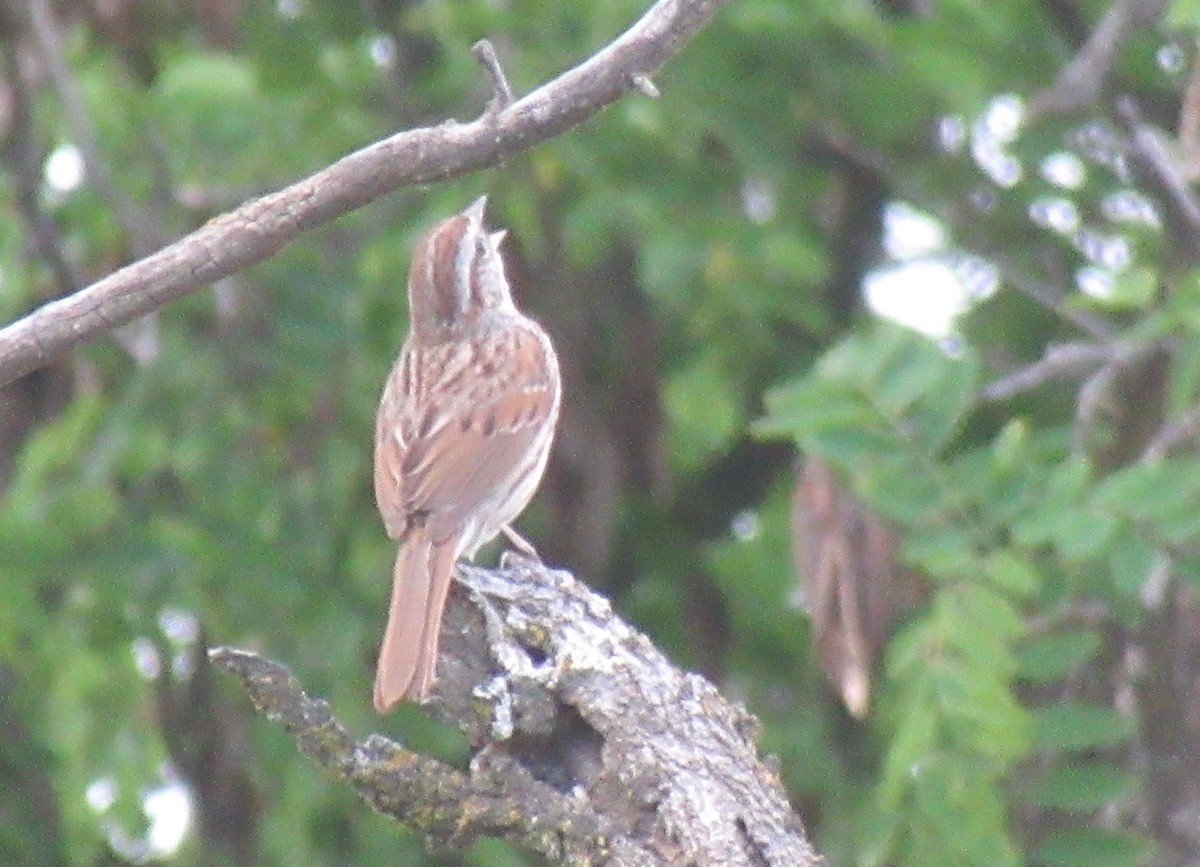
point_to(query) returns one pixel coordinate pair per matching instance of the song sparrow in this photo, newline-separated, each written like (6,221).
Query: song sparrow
(461,437)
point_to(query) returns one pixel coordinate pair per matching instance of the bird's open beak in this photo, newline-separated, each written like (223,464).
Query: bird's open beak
(474,211)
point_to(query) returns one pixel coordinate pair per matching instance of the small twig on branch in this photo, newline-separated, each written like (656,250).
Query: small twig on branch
(592,747)
(645,85)
(1061,361)
(259,229)
(502,93)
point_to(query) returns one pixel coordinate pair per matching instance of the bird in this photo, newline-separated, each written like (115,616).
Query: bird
(462,435)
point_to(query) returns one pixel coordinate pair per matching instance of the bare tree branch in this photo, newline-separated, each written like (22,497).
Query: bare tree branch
(1161,167)
(593,748)
(1060,361)
(1163,175)
(258,229)
(1081,81)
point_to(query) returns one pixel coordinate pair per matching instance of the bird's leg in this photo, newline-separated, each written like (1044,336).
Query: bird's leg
(518,541)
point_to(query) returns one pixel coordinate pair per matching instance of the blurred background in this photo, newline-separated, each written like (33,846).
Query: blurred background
(881,345)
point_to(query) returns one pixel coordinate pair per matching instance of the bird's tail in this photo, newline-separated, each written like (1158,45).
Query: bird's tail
(408,655)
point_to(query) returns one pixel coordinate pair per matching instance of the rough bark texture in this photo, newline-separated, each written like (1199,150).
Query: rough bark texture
(591,748)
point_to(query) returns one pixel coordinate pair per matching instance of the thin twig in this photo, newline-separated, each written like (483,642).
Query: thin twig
(1173,434)
(645,85)
(1080,82)
(1160,173)
(502,93)
(1090,323)
(259,229)
(1060,361)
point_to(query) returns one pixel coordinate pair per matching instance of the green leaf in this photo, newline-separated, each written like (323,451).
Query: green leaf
(988,611)
(1148,491)
(944,553)
(703,411)
(1057,511)
(1010,444)
(916,385)
(1075,532)
(897,489)
(1131,559)
(1088,847)
(1048,657)
(849,446)
(981,713)
(909,650)
(1133,289)
(947,402)
(911,746)
(963,816)
(896,383)
(1183,13)
(807,405)
(1078,726)
(1012,572)
(1082,787)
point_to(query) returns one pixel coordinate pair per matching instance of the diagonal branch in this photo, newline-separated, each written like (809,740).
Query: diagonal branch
(591,747)
(445,804)
(1060,361)
(1163,174)
(260,228)
(1081,81)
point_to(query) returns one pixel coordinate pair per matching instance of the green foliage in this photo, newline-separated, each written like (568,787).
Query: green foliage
(1085,846)
(698,259)
(1083,786)
(885,407)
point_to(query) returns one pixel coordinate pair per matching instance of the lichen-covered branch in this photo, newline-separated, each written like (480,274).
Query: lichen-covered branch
(448,806)
(592,747)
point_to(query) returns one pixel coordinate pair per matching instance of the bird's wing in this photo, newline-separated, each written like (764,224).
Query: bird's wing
(464,438)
